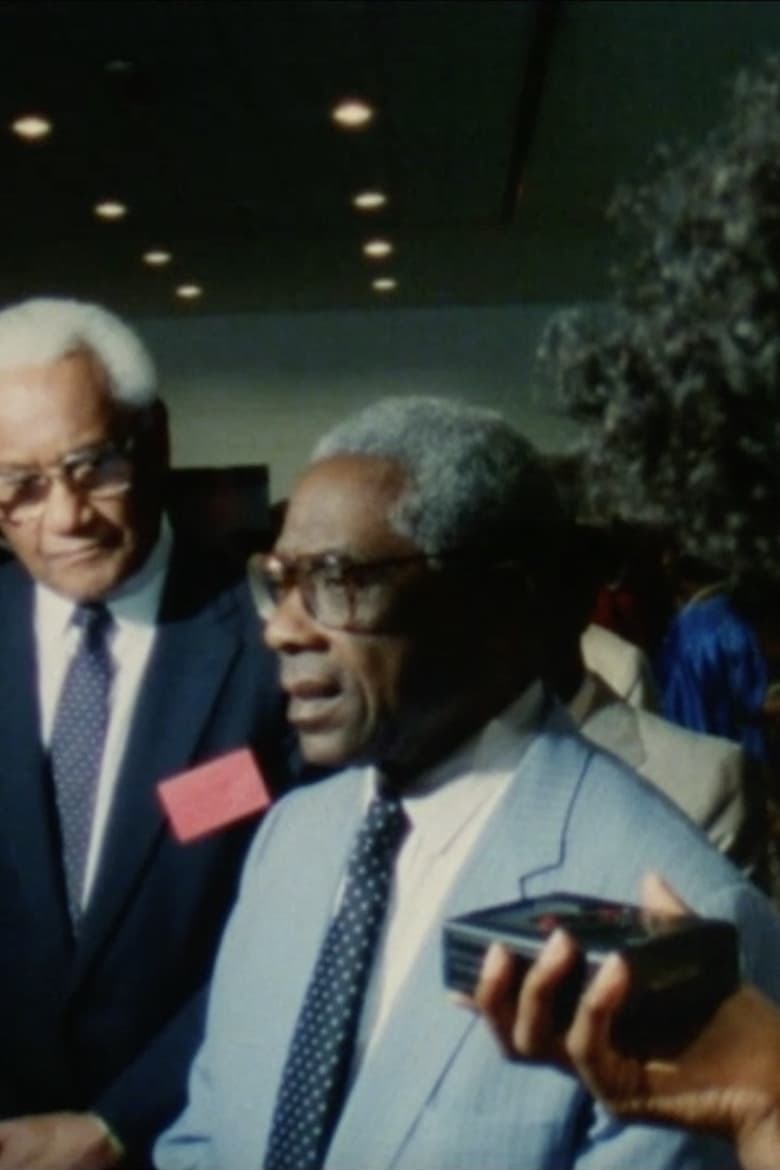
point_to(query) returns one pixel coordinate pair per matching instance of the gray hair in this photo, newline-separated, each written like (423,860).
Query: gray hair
(474,482)
(45,329)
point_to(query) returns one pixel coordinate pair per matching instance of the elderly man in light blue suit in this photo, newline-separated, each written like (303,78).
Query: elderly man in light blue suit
(407,598)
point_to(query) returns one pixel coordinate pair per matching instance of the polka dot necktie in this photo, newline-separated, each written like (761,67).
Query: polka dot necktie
(77,742)
(316,1073)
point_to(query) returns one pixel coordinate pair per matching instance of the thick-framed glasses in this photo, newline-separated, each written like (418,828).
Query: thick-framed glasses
(338,592)
(98,472)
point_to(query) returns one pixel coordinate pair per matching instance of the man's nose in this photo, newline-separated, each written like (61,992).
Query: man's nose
(64,509)
(290,627)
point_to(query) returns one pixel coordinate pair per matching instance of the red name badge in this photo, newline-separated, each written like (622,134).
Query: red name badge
(213,795)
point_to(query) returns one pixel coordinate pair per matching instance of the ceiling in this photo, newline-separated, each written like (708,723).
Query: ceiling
(502,127)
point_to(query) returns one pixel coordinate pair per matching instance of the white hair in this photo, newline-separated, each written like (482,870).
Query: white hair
(45,329)
(473,481)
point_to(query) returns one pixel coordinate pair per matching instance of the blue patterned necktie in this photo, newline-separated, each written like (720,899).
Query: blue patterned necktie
(77,742)
(316,1072)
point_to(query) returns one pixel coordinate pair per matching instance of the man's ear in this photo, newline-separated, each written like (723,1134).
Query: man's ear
(152,449)
(517,617)
(157,432)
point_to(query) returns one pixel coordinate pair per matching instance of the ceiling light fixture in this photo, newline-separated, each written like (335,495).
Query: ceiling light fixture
(31,127)
(119,66)
(384,284)
(110,209)
(157,258)
(189,292)
(369,200)
(352,114)
(377,249)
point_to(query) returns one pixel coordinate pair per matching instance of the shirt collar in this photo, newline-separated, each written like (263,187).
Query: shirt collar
(448,795)
(136,601)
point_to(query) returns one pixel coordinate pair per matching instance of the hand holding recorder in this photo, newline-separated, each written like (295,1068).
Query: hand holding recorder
(726,1079)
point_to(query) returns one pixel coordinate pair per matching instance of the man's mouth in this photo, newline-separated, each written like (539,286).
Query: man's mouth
(75,554)
(311,702)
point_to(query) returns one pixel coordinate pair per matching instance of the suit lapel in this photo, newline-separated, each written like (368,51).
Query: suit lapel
(523,839)
(25,796)
(194,648)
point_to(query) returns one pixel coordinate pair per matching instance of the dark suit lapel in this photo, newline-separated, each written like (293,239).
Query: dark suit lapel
(29,819)
(524,838)
(194,648)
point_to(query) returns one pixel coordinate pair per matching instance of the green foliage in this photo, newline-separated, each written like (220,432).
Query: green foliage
(679,387)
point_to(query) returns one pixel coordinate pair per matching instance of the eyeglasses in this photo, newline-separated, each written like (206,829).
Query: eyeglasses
(338,592)
(97,473)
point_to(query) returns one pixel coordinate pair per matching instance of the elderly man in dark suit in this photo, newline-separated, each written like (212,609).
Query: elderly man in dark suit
(127,659)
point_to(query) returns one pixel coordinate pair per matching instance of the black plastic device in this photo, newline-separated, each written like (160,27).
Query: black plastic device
(681,967)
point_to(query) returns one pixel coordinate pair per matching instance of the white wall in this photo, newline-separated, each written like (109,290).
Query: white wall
(261,388)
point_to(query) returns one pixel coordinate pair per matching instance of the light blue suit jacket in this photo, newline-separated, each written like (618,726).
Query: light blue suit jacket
(434,1093)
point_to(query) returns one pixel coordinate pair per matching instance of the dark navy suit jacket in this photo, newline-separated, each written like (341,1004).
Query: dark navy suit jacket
(109,1022)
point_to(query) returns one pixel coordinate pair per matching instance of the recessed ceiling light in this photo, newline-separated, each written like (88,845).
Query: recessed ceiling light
(369,200)
(384,284)
(352,114)
(157,258)
(32,127)
(119,66)
(110,209)
(189,292)
(377,249)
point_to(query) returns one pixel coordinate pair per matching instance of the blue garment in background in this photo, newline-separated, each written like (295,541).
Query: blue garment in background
(713,674)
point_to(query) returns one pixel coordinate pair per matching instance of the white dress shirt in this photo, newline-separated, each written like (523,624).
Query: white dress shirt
(134,607)
(448,809)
